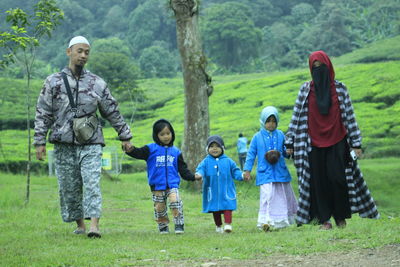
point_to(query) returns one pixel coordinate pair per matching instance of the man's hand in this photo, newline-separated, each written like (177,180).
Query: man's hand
(127,146)
(40,152)
(198,176)
(289,151)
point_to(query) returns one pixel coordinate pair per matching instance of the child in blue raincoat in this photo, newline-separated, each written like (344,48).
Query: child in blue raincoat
(278,204)
(219,191)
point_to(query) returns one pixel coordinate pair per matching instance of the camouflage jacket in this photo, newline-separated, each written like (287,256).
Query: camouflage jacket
(54,112)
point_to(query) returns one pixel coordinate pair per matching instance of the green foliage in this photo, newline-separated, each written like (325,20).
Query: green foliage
(334,37)
(27,30)
(228,31)
(40,69)
(118,71)
(115,20)
(337,26)
(130,236)
(111,45)
(157,61)
(13,102)
(380,51)
(151,21)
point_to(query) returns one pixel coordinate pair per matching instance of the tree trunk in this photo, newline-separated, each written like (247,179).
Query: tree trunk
(28,126)
(197,83)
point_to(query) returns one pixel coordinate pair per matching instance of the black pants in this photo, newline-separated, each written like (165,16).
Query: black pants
(329,193)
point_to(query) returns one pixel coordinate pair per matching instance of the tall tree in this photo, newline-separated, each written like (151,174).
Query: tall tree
(148,23)
(197,83)
(334,36)
(24,36)
(229,31)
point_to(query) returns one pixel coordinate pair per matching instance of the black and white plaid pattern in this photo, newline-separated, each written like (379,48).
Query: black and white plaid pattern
(163,214)
(297,136)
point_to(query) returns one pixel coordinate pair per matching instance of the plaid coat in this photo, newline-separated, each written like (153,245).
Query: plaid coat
(297,137)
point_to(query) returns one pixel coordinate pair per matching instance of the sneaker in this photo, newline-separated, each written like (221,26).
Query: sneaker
(326,226)
(227,228)
(164,230)
(179,229)
(219,229)
(266,227)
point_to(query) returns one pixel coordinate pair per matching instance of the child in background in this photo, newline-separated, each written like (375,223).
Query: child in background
(164,162)
(278,205)
(241,146)
(219,193)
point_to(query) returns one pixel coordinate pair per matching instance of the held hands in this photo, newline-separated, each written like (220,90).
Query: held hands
(198,176)
(127,146)
(246,176)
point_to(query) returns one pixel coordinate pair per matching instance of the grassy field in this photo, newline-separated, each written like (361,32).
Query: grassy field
(34,235)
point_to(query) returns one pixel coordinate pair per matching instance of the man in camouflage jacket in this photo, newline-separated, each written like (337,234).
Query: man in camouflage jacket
(78,166)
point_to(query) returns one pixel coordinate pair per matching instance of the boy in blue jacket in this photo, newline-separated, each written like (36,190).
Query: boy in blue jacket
(219,193)
(164,164)
(278,204)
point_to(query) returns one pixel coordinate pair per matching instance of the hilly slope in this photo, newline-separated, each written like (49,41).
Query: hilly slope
(238,99)
(235,105)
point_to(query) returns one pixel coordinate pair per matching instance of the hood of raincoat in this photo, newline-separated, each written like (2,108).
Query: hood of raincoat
(265,113)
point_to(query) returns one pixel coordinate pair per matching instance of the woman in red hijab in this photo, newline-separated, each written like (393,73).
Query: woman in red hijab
(322,133)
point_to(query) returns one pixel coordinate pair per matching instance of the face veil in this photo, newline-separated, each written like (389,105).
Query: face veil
(323,80)
(322,85)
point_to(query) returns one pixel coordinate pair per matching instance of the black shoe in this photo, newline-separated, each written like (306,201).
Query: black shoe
(164,230)
(94,234)
(179,229)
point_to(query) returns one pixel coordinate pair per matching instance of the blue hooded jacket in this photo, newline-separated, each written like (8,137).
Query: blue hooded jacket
(262,142)
(219,191)
(164,162)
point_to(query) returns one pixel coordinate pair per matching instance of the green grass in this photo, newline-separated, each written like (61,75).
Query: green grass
(34,235)
(383,50)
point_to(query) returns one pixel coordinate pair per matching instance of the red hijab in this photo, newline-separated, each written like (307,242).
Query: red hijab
(325,126)
(323,58)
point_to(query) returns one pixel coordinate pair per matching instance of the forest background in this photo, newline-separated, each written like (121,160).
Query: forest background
(257,55)
(139,35)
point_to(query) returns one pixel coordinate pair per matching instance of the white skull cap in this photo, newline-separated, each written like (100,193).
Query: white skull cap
(78,40)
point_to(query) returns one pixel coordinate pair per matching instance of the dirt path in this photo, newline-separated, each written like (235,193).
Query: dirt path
(384,256)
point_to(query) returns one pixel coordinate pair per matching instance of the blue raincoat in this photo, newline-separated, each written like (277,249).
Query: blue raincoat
(219,191)
(262,142)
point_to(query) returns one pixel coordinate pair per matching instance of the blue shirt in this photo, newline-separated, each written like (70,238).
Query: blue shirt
(242,145)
